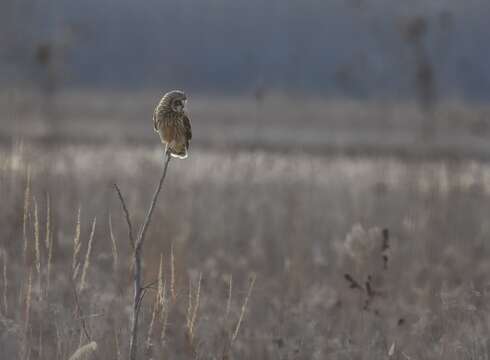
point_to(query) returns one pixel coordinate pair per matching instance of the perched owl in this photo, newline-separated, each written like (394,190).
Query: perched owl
(172,124)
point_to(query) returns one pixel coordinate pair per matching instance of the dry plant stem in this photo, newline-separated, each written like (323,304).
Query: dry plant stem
(244,307)
(5,284)
(84,331)
(79,314)
(156,311)
(76,247)
(49,242)
(37,247)
(161,286)
(228,302)
(139,291)
(163,321)
(58,341)
(116,344)
(146,223)
(28,299)
(172,273)
(40,343)
(83,351)
(48,221)
(115,251)
(86,264)
(189,307)
(194,311)
(126,213)
(152,323)
(27,195)
(158,305)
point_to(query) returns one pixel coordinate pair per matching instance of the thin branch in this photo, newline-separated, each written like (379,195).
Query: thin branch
(139,291)
(140,299)
(144,228)
(150,285)
(126,212)
(144,290)
(79,313)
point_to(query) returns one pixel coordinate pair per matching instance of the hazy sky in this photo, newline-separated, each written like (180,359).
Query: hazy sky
(356,48)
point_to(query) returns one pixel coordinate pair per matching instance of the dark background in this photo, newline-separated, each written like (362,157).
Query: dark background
(353,48)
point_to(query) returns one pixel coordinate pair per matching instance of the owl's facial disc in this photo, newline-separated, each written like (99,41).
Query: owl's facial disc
(178,105)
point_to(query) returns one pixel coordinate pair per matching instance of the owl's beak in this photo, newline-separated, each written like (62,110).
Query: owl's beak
(179,107)
(183,106)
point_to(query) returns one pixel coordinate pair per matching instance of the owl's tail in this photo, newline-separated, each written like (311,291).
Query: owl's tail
(182,155)
(179,152)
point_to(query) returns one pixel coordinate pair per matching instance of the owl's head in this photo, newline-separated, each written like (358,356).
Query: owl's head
(176,100)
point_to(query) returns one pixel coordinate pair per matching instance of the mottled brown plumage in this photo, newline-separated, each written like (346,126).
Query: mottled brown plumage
(172,123)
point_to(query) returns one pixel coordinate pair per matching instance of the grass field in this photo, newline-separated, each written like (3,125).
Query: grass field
(329,283)
(264,253)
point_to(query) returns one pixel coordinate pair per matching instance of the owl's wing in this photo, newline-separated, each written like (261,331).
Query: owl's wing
(187,127)
(155,120)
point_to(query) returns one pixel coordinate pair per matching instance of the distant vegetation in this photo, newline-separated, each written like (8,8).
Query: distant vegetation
(354,48)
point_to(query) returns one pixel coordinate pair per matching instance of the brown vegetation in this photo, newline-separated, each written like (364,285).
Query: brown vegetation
(420,288)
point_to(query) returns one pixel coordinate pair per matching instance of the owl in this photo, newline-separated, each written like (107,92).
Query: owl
(172,124)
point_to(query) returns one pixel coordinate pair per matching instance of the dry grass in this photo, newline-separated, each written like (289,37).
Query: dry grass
(244,308)
(77,245)
(5,284)
(309,226)
(84,351)
(86,263)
